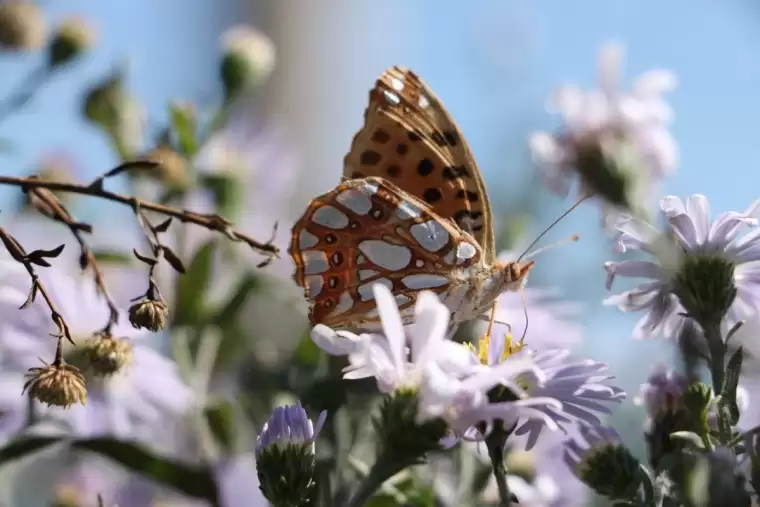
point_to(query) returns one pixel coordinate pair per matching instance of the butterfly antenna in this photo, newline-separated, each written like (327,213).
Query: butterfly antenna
(525,312)
(558,220)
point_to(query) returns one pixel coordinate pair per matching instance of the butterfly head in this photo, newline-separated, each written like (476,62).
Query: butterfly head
(516,275)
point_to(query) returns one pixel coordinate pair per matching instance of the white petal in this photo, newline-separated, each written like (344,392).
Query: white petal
(608,67)
(393,326)
(655,82)
(545,149)
(670,205)
(429,328)
(698,209)
(336,343)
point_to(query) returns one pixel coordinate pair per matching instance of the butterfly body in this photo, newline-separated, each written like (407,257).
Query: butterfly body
(412,213)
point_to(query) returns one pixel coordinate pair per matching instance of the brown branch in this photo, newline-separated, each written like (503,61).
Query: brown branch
(49,205)
(28,260)
(212,222)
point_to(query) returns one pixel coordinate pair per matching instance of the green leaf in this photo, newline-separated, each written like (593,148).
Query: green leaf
(112,257)
(246,287)
(307,353)
(186,127)
(192,287)
(221,421)
(189,479)
(731,384)
(227,191)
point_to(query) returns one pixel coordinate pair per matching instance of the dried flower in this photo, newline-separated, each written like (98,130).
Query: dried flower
(22,26)
(59,384)
(105,355)
(149,314)
(248,60)
(73,37)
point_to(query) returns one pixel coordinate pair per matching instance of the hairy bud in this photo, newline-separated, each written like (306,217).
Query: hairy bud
(72,38)
(61,385)
(22,26)
(248,60)
(172,171)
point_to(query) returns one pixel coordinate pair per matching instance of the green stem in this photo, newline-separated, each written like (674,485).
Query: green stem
(717,357)
(384,468)
(495,442)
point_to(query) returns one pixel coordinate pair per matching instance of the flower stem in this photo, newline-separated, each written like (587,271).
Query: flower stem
(717,357)
(495,442)
(384,468)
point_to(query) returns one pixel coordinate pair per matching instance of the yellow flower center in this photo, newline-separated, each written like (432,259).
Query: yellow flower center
(482,351)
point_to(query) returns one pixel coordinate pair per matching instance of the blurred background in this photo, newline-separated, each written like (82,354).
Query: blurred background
(493,63)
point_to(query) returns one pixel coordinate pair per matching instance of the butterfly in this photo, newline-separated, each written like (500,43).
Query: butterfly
(411,213)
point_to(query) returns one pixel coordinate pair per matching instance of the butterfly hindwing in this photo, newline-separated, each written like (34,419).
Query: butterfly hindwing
(368,231)
(409,138)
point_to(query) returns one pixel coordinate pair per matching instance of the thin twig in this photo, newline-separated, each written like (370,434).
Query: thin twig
(25,92)
(212,222)
(28,260)
(49,205)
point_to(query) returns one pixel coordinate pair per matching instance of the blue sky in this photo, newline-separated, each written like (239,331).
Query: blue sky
(493,63)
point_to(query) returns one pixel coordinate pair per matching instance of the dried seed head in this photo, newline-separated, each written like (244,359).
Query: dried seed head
(173,169)
(105,355)
(248,60)
(61,385)
(72,38)
(149,314)
(22,26)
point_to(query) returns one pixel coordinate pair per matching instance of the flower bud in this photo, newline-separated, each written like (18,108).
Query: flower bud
(22,26)
(173,169)
(104,103)
(399,430)
(285,456)
(605,465)
(248,60)
(61,385)
(105,355)
(72,38)
(705,286)
(149,313)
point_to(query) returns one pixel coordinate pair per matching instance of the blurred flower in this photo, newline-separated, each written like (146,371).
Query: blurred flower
(136,403)
(550,319)
(710,274)
(285,453)
(73,37)
(22,26)
(616,142)
(662,393)
(105,355)
(602,462)
(248,60)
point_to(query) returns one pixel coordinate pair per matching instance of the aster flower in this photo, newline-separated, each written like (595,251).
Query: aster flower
(580,388)
(710,273)
(616,142)
(133,403)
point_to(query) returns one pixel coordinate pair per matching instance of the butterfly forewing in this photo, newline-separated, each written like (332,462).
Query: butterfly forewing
(409,138)
(368,231)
